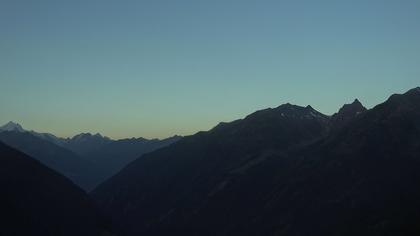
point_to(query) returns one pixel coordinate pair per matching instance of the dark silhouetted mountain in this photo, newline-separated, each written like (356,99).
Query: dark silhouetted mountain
(81,171)
(166,189)
(36,200)
(347,113)
(116,154)
(279,172)
(86,143)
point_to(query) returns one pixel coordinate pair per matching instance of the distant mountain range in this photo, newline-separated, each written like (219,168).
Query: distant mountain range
(80,170)
(86,159)
(284,171)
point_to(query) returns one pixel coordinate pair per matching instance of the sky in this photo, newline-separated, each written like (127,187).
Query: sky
(158,68)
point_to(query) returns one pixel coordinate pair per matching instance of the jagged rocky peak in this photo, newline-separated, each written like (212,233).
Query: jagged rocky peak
(289,111)
(84,136)
(347,113)
(12,126)
(288,106)
(300,111)
(352,109)
(356,101)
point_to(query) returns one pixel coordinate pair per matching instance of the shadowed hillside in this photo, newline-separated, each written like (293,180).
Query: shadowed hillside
(36,200)
(283,171)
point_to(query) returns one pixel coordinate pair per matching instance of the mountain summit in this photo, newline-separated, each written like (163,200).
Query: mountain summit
(12,126)
(351,109)
(347,113)
(86,143)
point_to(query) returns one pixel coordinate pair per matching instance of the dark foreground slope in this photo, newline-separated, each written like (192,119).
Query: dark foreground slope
(36,200)
(280,172)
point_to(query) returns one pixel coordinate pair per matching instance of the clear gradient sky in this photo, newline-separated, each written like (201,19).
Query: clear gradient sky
(158,68)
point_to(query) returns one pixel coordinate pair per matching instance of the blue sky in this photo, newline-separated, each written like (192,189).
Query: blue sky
(158,68)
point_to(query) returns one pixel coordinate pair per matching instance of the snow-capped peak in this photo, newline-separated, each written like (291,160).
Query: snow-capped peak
(12,126)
